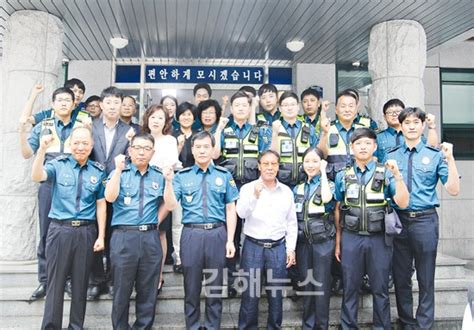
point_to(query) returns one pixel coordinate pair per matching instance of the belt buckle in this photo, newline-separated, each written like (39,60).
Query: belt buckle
(208,226)
(267,245)
(143,228)
(75,223)
(412,214)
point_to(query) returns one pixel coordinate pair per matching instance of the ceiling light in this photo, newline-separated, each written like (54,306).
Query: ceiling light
(119,43)
(295,45)
(356,64)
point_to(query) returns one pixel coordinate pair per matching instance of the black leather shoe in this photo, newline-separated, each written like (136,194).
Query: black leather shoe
(231,292)
(93,293)
(178,268)
(68,288)
(39,293)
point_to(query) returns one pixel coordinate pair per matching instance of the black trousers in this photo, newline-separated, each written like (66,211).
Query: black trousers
(69,251)
(360,255)
(314,265)
(203,256)
(44,205)
(136,261)
(418,243)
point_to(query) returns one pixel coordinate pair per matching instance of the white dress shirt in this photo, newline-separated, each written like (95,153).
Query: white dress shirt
(271,216)
(166,153)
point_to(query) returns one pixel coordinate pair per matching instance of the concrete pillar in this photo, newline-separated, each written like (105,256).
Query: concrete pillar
(397,59)
(32,53)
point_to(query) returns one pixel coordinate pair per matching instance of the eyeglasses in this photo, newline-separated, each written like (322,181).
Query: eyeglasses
(141,148)
(393,113)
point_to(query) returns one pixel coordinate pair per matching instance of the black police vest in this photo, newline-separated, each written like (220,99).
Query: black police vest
(364,206)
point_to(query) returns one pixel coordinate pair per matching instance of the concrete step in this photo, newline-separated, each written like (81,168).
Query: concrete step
(25,274)
(291,320)
(15,300)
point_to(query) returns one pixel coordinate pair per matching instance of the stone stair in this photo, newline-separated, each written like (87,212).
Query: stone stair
(18,280)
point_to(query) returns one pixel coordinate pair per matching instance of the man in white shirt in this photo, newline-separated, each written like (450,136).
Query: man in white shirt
(270,239)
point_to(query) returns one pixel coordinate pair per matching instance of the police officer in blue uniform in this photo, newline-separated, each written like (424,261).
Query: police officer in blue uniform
(77,202)
(362,191)
(207,194)
(392,136)
(316,239)
(421,166)
(136,191)
(60,127)
(269,112)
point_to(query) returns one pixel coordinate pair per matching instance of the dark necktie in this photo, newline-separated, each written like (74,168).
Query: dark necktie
(79,189)
(306,191)
(398,138)
(142,195)
(204,194)
(410,169)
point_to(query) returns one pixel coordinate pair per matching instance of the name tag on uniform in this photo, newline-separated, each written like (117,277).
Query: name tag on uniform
(232,144)
(299,207)
(286,147)
(127,200)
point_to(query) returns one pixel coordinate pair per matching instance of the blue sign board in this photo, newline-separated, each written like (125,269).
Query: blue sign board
(127,74)
(280,76)
(204,74)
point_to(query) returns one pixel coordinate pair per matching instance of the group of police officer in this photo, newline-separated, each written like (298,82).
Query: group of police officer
(346,181)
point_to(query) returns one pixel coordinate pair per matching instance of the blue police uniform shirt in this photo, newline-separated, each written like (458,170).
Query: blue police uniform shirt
(387,139)
(364,177)
(310,188)
(313,122)
(345,134)
(293,131)
(139,197)
(75,189)
(241,132)
(428,166)
(204,195)
(62,130)
(48,113)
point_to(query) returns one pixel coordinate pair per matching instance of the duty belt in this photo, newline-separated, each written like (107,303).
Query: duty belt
(415,214)
(73,223)
(267,244)
(138,228)
(206,226)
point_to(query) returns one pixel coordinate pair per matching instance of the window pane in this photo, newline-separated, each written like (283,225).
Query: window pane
(458,104)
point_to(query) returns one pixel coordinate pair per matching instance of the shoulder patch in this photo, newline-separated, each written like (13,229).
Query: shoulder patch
(186,169)
(392,149)
(433,148)
(155,168)
(99,166)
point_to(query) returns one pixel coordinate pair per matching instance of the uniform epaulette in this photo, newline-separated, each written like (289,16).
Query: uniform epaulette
(156,168)
(222,169)
(99,166)
(433,148)
(62,157)
(392,149)
(186,169)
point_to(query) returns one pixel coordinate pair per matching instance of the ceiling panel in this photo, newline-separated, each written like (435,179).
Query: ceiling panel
(238,31)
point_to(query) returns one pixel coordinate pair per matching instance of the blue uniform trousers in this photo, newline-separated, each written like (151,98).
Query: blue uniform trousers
(101,275)
(69,251)
(360,255)
(314,264)
(258,262)
(44,205)
(136,261)
(203,255)
(417,242)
